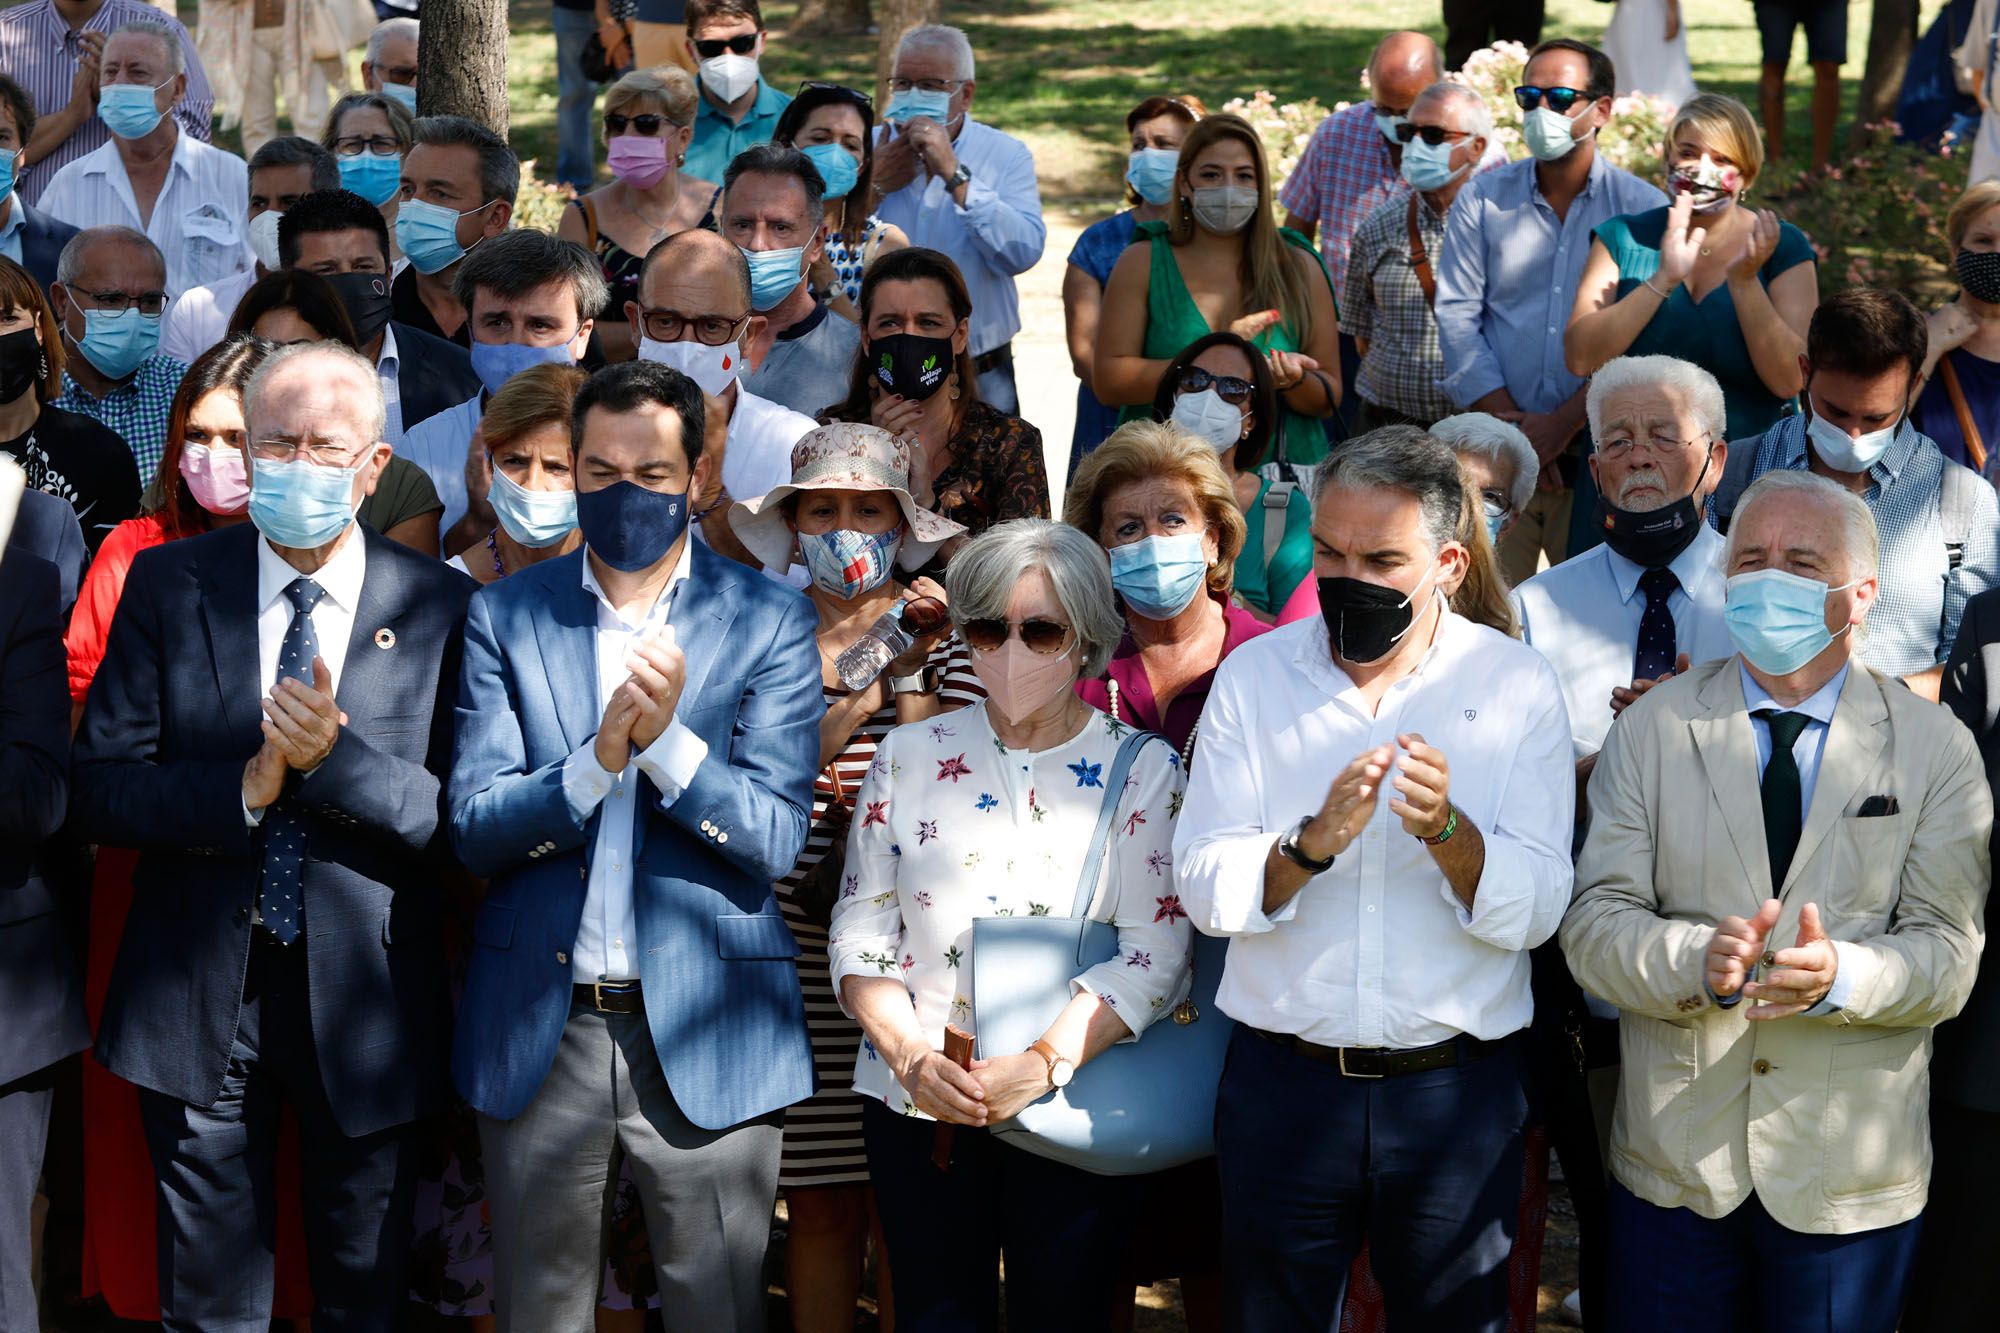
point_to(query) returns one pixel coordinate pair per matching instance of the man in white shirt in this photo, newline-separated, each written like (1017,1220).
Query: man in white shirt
(187,196)
(1378,936)
(961,187)
(282,172)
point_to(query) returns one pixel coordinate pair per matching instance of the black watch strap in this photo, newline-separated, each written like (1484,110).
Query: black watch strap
(1288,847)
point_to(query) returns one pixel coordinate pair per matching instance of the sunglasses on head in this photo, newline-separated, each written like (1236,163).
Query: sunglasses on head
(743,43)
(1559,100)
(646,122)
(1230,388)
(1430,134)
(988,633)
(839,91)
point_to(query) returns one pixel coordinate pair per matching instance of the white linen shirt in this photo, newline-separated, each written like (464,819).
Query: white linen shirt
(1583,616)
(198,219)
(608,933)
(997,234)
(199,317)
(950,826)
(1378,951)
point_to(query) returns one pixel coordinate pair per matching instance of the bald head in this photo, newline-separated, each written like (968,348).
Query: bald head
(697,259)
(1404,64)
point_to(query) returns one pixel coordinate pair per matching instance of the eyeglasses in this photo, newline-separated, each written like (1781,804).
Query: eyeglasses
(926,85)
(743,43)
(354,145)
(838,90)
(150,304)
(1659,444)
(1230,388)
(403,74)
(646,122)
(1495,504)
(989,633)
(315,451)
(665,326)
(1430,134)
(1560,100)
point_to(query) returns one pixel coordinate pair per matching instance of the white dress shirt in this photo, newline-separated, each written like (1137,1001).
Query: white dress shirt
(10,230)
(608,935)
(757,459)
(437,444)
(199,317)
(1583,616)
(198,219)
(1378,950)
(388,369)
(997,234)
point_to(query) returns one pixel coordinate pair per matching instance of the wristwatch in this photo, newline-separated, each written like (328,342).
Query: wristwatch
(924,681)
(1288,847)
(959,177)
(1061,1071)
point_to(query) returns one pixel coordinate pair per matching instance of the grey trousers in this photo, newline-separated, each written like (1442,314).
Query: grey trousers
(24,1129)
(552,1173)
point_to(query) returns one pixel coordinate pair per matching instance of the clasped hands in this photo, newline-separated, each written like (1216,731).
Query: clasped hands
(643,705)
(300,724)
(1802,975)
(990,1092)
(1423,796)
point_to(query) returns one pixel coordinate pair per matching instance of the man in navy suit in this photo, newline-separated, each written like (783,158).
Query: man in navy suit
(638,730)
(269,728)
(28,236)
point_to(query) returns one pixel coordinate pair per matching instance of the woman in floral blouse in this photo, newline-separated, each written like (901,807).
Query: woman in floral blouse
(970,462)
(986,812)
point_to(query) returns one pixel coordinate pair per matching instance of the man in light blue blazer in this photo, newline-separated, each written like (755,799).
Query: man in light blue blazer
(638,729)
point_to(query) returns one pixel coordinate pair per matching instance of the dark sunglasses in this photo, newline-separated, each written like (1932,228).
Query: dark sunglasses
(1430,134)
(646,122)
(839,91)
(988,633)
(1560,100)
(1229,388)
(743,43)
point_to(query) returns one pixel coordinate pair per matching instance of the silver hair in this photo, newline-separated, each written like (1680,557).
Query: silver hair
(980,581)
(1474,116)
(1859,540)
(69,264)
(1502,441)
(940,37)
(385,31)
(1400,458)
(166,33)
(1697,389)
(374,414)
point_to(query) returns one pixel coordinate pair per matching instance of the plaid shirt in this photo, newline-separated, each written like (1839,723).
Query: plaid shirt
(1915,618)
(135,411)
(1384,304)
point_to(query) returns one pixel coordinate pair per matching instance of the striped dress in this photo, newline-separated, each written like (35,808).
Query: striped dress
(823,1133)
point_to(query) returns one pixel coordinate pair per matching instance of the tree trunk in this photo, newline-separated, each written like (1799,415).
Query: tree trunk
(896,17)
(830,18)
(462,62)
(1892,32)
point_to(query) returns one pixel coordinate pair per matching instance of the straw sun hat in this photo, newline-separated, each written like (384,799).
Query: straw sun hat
(842,456)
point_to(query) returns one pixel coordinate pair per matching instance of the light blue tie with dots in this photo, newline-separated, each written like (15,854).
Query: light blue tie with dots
(281,894)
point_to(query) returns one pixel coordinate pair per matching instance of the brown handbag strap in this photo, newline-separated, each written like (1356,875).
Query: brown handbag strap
(1420,259)
(589,211)
(1975,448)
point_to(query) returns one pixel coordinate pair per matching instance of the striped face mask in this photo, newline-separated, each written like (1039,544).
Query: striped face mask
(845,563)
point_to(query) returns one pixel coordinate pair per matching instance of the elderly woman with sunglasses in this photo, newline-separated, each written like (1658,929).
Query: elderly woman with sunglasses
(989,812)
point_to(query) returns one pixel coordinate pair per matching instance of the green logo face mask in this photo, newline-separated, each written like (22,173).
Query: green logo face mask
(930,364)
(912,366)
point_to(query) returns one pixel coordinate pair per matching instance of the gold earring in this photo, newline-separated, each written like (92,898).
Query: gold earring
(951,385)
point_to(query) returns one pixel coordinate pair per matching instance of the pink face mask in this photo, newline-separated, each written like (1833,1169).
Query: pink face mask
(640,160)
(217,478)
(1020,682)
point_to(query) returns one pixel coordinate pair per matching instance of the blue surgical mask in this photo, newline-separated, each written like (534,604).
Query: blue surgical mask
(1549,134)
(1495,522)
(907,106)
(406,93)
(1428,167)
(847,563)
(375,178)
(630,527)
(301,504)
(496,363)
(1777,620)
(117,342)
(428,234)
(8,156)
(836,167)
(128,109)
(1150,173)
(774,275)
(1159,577)
(1387,124)
(532,518)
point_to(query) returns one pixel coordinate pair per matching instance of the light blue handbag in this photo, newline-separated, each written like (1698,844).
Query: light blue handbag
(1140,1106)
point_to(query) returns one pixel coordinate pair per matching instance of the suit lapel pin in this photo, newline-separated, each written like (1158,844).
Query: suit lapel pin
(1470,713)
(385,638)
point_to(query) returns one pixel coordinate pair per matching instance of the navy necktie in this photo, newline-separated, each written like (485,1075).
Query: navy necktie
(1653,655)
(280,896)
(1783,793)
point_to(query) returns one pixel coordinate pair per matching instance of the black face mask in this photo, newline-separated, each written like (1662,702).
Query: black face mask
(1653,538)
(1364,621)
(910,365)
(20,363)
(365,296)
(1979,274)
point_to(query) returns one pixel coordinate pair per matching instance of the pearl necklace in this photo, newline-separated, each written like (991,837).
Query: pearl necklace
(1187,746)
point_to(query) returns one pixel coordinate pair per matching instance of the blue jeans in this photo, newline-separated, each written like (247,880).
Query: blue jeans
(576,140)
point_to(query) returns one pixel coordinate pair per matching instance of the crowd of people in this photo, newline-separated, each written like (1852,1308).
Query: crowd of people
(518,749)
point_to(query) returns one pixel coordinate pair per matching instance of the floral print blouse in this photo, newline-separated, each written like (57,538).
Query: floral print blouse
(950,825)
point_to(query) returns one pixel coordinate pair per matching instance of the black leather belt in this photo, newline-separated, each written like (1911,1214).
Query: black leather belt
(1003,355)
(1381,1062)
(610,997)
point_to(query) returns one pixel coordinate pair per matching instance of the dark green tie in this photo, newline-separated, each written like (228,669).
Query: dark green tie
(1783,798)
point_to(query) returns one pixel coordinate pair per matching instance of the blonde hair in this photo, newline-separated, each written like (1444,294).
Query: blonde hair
(1726,123)
(536,397)
(1160,451)
(1270,275)
(1482,595)
(668,87)
(1970,205)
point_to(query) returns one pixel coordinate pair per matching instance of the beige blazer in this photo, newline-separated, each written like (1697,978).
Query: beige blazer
(1825,1119)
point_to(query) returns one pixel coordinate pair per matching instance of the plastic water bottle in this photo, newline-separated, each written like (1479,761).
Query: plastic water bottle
(886,640)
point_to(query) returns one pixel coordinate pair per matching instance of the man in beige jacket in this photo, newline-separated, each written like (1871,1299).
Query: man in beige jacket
(1782,891)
